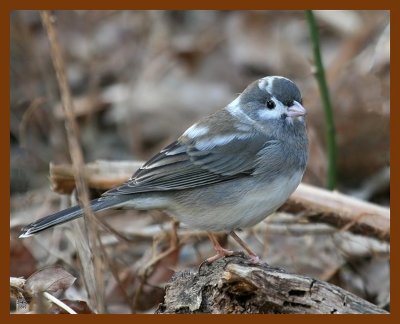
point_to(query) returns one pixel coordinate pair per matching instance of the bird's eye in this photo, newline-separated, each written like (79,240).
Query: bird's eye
(270,104)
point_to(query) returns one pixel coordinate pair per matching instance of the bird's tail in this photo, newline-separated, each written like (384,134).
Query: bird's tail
(66,215)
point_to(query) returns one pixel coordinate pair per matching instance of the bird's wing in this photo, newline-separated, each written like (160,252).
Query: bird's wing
(189,163)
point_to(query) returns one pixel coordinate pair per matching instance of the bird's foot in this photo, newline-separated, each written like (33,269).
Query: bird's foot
(252,255)
(221,253)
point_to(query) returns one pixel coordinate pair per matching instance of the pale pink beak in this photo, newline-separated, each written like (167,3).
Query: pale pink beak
(296,110)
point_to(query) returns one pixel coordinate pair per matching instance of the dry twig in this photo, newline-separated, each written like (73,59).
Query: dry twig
(95,275)
(342,211)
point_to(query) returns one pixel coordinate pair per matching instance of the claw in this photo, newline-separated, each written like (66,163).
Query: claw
(221,252)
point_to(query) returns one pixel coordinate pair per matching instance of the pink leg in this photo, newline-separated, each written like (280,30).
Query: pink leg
(221,252)
(243,244)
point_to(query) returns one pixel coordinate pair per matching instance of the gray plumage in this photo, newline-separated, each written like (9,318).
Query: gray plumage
(228,171)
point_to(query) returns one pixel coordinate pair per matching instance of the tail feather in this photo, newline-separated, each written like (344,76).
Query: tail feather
(66,215)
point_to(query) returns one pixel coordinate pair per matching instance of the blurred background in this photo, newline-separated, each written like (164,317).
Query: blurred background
(140,78)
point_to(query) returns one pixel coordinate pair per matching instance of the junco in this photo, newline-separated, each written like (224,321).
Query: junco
(228,171)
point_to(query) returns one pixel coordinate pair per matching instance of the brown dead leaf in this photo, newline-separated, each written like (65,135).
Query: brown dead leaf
(52,279)
(22,262)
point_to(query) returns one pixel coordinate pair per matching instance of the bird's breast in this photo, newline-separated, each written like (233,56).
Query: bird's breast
(234,204)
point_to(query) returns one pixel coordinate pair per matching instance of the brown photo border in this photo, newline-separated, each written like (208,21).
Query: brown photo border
(8,6)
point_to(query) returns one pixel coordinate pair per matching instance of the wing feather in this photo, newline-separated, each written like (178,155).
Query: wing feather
(193,162)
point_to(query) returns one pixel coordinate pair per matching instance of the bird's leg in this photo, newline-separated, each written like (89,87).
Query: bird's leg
(243,244)
(221,252)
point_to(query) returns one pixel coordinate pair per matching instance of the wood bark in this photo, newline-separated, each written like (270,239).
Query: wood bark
(237,285)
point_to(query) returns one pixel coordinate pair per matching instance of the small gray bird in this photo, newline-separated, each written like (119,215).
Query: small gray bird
(228,171)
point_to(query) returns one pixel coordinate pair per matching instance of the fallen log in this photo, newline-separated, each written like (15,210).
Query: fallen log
(236,285)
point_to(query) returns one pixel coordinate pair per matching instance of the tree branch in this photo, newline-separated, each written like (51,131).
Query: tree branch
(236,285)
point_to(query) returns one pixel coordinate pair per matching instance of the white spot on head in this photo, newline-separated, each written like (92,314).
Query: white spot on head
(195,131)
(266,83)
